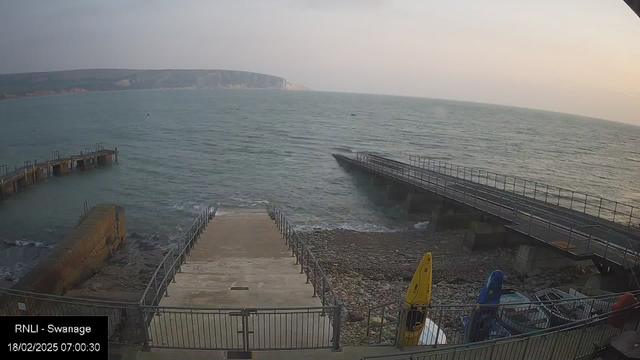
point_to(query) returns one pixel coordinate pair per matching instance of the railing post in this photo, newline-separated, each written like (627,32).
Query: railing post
(315,279)
(571,204)
(615,209)
(630,216)
(435,345)
(402,321)
(586,196)
(535,190)
(337,323)
(166,286)
(600,208)
(324,290)
(546,195)
(143,326)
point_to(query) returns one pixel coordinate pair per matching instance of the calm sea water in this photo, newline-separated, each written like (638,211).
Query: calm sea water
(248,148)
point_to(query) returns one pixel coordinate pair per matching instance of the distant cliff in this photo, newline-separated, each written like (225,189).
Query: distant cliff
(74,81)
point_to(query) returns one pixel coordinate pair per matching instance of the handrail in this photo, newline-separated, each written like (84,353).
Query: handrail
(515,214)
(309,265)
(582,324)
(182,247)
(596,304)
(304,256)
(532,302)
(539,191)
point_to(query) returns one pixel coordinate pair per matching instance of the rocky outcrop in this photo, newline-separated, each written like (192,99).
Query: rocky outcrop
(63,82)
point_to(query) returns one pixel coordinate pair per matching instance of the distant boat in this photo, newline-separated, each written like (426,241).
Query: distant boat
(522,317)
(562,307)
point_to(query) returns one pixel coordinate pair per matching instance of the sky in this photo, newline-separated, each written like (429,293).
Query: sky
(573,56)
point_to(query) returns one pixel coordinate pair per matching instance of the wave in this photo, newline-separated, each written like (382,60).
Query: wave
(421,225)
(298,137)
(632,159)
(26,243)
(352,227)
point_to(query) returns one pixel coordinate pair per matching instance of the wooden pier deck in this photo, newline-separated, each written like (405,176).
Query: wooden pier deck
(13,182)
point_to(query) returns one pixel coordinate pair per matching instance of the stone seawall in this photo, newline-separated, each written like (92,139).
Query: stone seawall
(98,233)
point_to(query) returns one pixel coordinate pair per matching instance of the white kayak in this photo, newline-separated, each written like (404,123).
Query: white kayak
(431,334)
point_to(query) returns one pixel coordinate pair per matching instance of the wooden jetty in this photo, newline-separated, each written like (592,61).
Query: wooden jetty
(13,182)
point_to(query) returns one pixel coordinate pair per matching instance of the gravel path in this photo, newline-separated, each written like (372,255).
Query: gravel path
(368,269)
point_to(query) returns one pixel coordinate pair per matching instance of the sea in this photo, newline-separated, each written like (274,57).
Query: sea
(183,150)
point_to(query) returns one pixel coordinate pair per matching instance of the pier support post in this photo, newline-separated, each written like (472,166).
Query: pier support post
(531,257)
(379,180)
(396,193)
(418,202)
(448,216)
(485,234)
(116,154)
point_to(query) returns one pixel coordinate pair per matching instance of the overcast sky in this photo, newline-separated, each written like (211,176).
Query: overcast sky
(575,56)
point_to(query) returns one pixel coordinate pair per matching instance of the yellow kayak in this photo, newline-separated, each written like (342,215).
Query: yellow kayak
(418,294)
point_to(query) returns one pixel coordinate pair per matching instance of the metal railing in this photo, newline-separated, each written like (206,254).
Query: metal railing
(311,268)
(243,329)
(125,319)
(55,155)
(576,238)
(615,211)
(566,342)
(147,325)
(305,258)
(468,322)
(173,260)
